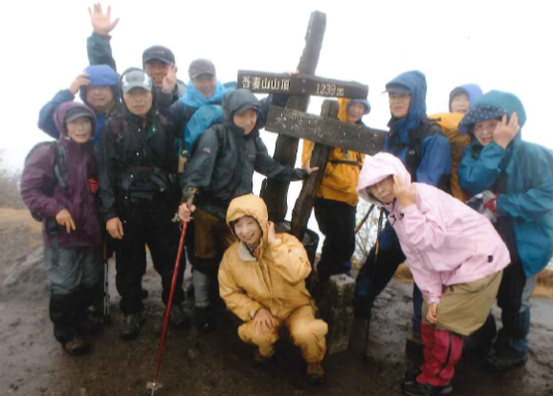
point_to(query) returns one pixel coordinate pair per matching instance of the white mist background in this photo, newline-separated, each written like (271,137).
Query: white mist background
(503,45)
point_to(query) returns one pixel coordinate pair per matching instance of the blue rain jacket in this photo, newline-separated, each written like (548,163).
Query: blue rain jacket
(528,168)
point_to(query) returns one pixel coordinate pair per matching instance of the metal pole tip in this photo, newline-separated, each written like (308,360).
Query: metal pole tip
(154,386)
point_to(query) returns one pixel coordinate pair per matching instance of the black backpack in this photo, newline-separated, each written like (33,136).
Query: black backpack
(60,167)
(413,157)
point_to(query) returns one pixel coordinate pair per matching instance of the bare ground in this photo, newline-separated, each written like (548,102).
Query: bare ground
(33,363)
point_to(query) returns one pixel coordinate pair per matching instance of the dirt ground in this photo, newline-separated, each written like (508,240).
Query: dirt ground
(33,363)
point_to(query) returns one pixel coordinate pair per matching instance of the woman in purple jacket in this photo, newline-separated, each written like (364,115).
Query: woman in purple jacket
(58,186)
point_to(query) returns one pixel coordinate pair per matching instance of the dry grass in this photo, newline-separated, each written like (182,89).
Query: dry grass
(544,284)
(403,274)
(11,217)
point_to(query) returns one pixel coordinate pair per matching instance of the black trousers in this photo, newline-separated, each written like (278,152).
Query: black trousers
(152,227)
(337,222)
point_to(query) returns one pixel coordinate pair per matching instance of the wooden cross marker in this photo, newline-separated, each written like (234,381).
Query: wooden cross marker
(293,123)
(300,84)
(327,132)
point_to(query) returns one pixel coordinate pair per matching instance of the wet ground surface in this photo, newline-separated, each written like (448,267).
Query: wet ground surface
(217,363)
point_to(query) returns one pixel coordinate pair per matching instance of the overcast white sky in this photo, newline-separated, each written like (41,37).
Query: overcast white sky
(502,45)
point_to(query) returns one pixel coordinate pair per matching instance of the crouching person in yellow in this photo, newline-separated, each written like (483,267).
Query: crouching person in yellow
(262,281)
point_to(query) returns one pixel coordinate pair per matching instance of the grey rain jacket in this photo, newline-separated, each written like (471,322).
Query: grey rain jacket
(224,159)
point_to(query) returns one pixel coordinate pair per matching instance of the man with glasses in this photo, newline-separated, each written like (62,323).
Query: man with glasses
(425,152)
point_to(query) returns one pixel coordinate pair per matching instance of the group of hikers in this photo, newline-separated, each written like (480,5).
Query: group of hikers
(469,208)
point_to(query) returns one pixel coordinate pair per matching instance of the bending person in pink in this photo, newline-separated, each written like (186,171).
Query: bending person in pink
(456,257)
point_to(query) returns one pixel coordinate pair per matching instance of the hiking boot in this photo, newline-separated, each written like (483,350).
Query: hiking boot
(204,320)
(413,343)
(499,362)
(411,374)
(132,326)
(178,317)
(89,326)
(315,373)
(414,388)
(261,360)
(76,346)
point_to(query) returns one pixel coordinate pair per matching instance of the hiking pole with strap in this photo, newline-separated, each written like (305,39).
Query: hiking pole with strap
(360,224)
(373,273)
(155,385)
(107,318)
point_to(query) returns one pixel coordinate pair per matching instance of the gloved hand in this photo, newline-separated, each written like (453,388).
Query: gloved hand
(484,203)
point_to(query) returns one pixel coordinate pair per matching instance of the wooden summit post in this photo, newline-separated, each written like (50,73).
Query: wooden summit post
(293,123)
(300,87)
(273,192)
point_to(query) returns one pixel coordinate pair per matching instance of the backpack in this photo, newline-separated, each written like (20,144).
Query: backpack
(413,156)
(60,167)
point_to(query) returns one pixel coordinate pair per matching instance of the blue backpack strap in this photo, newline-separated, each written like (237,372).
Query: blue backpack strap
(202,119)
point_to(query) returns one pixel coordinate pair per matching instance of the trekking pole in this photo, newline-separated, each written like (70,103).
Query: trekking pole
(155,385)
(360,224)
(107,318)
(373,273)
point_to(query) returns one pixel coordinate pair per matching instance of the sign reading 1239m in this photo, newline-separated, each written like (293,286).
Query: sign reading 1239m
(300,84)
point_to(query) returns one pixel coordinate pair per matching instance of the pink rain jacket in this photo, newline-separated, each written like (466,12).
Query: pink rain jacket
(445,241)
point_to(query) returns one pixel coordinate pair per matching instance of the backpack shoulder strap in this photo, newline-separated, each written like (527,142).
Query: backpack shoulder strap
(427,128)
(60,168)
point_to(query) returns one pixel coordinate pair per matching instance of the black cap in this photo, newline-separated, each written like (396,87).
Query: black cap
(160,53)
(77,112)
(201,66)
(397,88)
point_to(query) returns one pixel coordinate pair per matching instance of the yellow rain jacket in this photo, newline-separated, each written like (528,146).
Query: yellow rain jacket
(272,278)
(341,174)
(449,122)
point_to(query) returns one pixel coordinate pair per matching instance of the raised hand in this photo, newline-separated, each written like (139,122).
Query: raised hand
(505,131)
(271,234)
(405,196)
(170,80)
(78,82)
(101,22)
